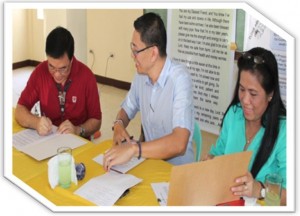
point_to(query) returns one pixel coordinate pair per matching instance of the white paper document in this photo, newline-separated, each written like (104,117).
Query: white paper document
(42,147)
(122,168)
(30,136)
(161,190)
(106,189)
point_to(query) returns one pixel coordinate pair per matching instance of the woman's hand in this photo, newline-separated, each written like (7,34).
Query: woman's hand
(247,186)
(207,157)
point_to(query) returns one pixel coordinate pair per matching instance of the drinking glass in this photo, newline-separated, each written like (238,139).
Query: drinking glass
(64,166)
(273,183)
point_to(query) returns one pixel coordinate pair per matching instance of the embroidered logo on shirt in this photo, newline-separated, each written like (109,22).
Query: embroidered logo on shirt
(74,99)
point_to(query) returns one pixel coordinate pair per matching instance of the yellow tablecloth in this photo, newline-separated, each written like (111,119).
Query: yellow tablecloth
(25,167)
(139,195)
(35,174)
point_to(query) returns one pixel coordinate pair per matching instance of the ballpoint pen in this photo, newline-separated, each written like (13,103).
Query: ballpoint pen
(116,170)
(124,141)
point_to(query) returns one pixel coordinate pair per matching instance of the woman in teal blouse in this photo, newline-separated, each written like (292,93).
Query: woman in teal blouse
(255,121)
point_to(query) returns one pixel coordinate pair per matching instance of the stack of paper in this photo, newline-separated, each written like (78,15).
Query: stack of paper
(42,147)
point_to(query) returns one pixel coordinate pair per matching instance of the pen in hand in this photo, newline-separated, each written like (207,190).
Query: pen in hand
(47,123)
(124,141)
(115,170)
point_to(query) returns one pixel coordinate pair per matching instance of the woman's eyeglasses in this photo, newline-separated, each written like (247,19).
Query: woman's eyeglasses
(256,59)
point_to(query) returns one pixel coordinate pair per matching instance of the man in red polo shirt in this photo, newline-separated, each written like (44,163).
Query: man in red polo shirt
(66,89)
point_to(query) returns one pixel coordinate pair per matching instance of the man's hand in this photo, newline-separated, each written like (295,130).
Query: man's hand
(44,126)
(66,127)
(120,135)
(119,154)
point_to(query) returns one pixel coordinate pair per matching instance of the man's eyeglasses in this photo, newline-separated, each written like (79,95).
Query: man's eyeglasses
(135,52)
(61,70)
(256,59)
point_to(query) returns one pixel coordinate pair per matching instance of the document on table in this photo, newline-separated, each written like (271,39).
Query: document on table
(42,147)
(106,189)
(30,136)
(161,190)
(122,168)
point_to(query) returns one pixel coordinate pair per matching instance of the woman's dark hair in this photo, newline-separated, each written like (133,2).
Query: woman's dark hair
(153,32)
(262,63)
(58,42)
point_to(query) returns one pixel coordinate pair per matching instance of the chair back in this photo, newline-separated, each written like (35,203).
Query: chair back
(197,140)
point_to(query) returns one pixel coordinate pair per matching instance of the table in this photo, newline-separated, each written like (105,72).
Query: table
(35,174)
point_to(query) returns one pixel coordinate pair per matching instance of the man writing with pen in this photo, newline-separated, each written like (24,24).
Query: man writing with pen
(66,89)
(162,92)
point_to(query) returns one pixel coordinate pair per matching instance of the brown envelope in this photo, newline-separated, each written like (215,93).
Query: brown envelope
(207,183)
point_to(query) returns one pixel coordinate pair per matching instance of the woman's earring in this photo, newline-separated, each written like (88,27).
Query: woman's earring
(270,98)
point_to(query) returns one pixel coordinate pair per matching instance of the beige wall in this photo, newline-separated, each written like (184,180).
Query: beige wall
(20,32)
(101,30)
(54,18)
(76,23)
(36,37)
(110,31)
(28,36)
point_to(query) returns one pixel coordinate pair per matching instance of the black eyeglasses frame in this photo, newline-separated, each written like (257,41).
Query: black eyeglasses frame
(136,52)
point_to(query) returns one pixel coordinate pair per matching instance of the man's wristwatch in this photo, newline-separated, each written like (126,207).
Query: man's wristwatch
(262,191)
(82,131)
(119,121)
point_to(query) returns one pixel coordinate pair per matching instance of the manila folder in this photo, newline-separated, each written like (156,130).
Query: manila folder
(207,183)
